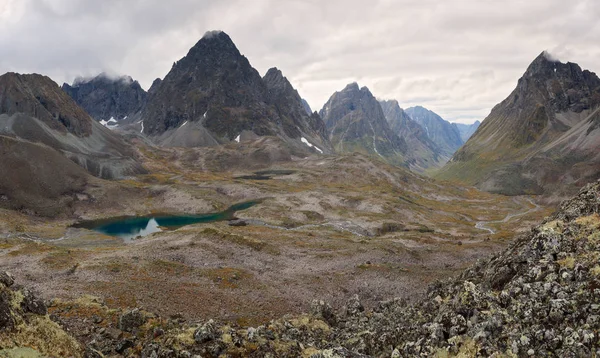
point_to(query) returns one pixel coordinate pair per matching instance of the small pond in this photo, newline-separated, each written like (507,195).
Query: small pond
(130,227)
(266,174)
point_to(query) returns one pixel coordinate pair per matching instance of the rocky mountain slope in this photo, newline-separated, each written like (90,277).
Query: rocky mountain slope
(306,107)
(539,297)
(441,132)
(543,138)
(356,122)
(466,130)
(291,108)
(422,153)
(43,132)
(214,96)
(105,98)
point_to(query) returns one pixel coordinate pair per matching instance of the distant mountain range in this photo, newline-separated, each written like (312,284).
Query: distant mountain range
(544,133)
(466,130)
(441,132)
(213,96)
(543,137)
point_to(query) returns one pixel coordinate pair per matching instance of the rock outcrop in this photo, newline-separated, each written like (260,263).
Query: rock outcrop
(25,328)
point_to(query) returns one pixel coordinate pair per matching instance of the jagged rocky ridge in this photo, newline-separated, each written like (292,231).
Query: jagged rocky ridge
(539,297)
(542,139)
(445,135)
(356,122)
(43,132)
(105,98)
(422,152)
(214,96)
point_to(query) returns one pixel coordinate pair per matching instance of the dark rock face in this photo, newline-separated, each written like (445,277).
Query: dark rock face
(441,132)
(104,97)
(155,84)
(213,84)
(356,122)
(33,111)
(466,130)
(541,139)
(292,113)
(306,107)
(6,279)
(422,152)
(220,97)
(38,96)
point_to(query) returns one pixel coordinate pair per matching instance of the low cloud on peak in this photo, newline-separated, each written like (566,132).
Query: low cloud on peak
(458,58)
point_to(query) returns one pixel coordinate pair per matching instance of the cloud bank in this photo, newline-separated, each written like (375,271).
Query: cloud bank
(458,58)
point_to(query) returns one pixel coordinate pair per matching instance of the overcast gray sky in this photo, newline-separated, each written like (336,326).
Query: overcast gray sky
(457,58)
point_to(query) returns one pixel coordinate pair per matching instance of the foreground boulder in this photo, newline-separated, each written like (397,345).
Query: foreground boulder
(25,328)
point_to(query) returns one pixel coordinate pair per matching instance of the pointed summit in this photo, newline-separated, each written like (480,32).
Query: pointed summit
(356,122)
(547,116)
(215,85)
(275,80)
(351,87)
(214,96)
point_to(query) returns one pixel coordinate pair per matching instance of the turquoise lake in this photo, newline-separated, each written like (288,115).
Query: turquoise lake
(130,227)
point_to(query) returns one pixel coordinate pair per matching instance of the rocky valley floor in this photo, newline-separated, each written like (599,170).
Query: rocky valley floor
(330,228)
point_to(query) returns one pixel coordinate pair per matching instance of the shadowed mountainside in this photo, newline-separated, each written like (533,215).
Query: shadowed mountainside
(542,139)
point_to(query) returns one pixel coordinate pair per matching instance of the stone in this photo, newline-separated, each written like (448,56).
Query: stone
(131,320)
(6,279)
(206,332)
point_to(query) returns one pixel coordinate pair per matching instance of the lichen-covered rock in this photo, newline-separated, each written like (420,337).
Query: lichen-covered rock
(206,332)
(131,320)
(6,279)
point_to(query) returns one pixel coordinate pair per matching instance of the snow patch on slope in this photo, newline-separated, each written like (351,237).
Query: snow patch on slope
(310,144)
(110,124)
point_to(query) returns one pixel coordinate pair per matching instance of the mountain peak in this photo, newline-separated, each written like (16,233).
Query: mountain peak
(40,97)
(214,43)
(213,34)
(392,102)
(275,80)
(352,87)
(107,96)
(103,77)
(274,71)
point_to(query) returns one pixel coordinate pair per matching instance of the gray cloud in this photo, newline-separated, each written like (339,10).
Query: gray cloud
(458,58)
